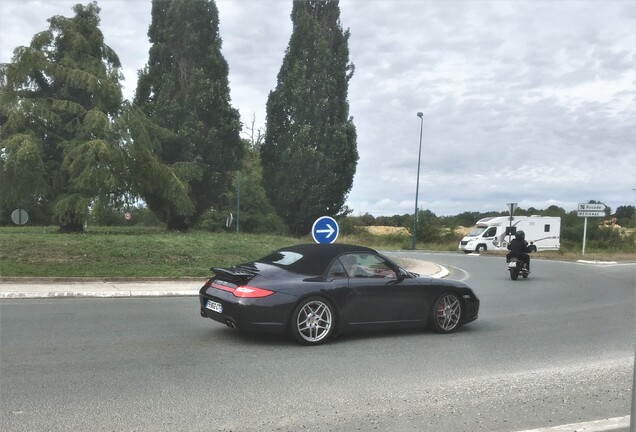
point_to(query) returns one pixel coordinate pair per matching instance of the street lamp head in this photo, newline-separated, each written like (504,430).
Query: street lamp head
(420,115)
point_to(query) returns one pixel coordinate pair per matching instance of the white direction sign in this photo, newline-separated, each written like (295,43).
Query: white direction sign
(584,207)
(590,213)
(587,210)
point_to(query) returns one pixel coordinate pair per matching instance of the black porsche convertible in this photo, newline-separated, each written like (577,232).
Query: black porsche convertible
(315,291)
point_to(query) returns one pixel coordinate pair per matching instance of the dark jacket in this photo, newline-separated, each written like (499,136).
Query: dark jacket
(518,247)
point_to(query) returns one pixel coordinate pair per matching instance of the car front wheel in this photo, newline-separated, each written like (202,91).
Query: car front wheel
(447,313)
(313,321)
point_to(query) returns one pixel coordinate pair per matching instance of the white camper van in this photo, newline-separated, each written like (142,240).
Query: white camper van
(542,232)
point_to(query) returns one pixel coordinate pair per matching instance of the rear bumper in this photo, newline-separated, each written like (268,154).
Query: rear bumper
(269,314)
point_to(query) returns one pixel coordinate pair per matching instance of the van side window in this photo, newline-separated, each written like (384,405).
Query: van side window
(546,228)
(491,232)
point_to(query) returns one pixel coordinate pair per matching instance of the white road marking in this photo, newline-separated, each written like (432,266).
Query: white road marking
(610,424)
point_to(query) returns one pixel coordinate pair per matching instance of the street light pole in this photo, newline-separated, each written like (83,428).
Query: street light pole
(417,186)
(238,201)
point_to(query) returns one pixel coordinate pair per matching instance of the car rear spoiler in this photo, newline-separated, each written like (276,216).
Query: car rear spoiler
(234,272)
(235,275)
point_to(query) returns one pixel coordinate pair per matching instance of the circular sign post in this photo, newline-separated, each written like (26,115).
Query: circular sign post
(325,230)
(19,217)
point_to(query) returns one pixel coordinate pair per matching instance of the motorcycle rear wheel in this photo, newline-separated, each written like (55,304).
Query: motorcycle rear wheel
(514,273)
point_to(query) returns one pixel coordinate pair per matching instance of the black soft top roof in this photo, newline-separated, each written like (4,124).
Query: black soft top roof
(315,257)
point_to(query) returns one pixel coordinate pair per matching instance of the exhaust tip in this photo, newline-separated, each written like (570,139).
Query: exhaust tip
(230,323)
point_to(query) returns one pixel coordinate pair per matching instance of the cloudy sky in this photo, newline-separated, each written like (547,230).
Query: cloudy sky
(523,101)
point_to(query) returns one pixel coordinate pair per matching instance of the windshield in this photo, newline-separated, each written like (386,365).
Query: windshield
(477,231)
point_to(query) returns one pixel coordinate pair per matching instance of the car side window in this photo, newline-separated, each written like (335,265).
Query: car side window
(366,265)
(336,270)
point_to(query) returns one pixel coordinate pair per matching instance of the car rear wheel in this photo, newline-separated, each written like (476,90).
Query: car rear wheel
(447,313)
(313,321)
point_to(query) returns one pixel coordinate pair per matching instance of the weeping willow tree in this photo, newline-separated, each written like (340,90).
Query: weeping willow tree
(60,146)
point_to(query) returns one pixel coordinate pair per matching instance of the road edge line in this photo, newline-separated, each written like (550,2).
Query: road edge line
(605,425)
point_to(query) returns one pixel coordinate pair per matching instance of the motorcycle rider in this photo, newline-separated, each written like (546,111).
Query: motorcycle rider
(518,247)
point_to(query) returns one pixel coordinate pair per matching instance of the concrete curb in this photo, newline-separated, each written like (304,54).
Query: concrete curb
(596,262)
(57,280)
(95,294)
(74,287)
(442,273)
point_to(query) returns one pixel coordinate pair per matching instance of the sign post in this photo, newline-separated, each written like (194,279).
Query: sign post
(589,210)
(511,210)
(584,235)
(325,230)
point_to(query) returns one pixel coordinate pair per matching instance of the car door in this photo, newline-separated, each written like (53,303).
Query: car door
(377,296)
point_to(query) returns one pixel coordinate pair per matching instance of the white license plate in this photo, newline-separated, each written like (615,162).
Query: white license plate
(513,264)
(214,306)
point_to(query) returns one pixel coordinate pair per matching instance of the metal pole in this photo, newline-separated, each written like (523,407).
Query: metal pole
(632,420)
(417,186)
(584,235)
(238,201)
(510,229)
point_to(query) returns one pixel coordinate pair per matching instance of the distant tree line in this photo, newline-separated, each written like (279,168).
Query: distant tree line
(442,229)
(73,151)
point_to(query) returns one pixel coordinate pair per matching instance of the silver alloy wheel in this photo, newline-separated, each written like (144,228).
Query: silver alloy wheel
(314,321)
(449,312)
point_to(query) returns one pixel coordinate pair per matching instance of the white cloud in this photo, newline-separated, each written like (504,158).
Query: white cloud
(525,101)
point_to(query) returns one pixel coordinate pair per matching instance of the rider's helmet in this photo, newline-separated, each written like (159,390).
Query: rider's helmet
(521,235)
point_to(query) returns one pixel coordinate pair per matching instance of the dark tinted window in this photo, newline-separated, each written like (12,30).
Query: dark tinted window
(309,259)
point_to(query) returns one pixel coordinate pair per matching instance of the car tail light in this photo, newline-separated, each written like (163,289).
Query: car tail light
(251,292)
(222,287)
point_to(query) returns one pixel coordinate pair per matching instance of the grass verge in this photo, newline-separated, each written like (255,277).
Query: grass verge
(126,252)
(140,252)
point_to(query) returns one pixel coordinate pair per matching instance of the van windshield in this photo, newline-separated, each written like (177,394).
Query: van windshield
(477,231)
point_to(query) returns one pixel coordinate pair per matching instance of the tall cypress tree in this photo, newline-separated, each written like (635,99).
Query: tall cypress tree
(184,90)
(59,99)
(309,155)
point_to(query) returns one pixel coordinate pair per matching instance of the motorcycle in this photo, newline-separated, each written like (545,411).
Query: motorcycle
(516,267)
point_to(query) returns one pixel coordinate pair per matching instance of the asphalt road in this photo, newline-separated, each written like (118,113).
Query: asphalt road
(554,349)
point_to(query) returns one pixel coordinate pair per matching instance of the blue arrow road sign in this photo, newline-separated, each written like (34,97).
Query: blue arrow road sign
(325,230)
